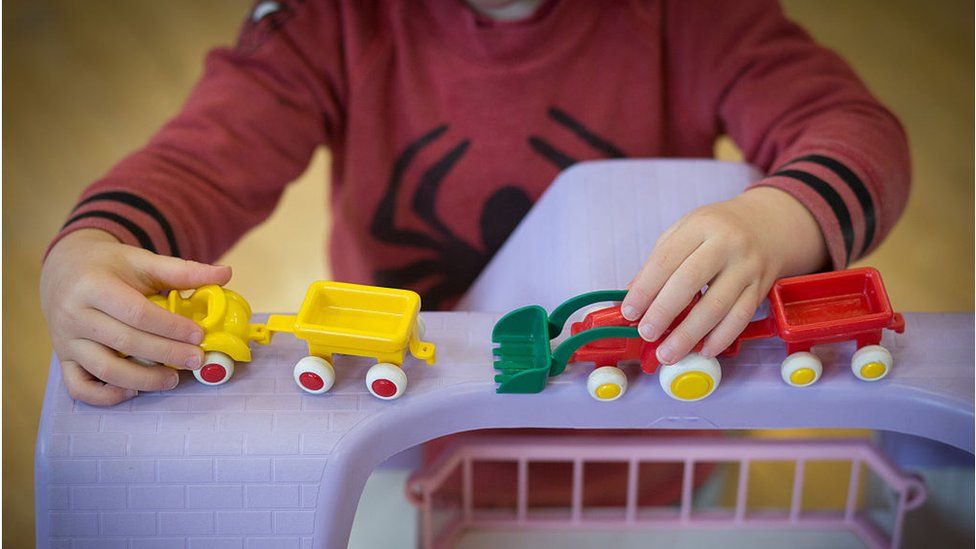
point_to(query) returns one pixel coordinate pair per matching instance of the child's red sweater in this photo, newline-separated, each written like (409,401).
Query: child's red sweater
(445,127)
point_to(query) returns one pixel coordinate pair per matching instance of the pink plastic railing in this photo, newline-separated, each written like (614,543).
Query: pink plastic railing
(426,485)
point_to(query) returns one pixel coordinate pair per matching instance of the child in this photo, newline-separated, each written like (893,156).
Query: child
(446,120)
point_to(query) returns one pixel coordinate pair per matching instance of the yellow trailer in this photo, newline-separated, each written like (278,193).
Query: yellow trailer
(353,319)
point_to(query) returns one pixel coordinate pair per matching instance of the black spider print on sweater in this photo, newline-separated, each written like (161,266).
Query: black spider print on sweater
(455,263)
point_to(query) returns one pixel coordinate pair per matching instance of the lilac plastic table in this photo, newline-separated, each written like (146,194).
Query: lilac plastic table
(257,463)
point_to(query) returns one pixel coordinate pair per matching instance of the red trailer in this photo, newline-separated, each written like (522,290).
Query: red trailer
(804,311)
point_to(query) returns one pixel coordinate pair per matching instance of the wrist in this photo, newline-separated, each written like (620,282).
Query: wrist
(80,237)
(790,230)
(91,234)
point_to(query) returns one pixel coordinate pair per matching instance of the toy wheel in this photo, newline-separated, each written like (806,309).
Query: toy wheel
(217,368)
(386,381)
(421,327)
(801,369)
(692,378)
(606,383)
(871,363)
(314,375)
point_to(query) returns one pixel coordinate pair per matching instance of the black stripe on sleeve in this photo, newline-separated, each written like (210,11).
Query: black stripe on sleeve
(856,185)
(585,134)
(141,235)
(141,204)
(558,158)
(833,199)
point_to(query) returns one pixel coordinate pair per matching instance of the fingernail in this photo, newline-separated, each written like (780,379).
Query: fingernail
(665,354)
(193,362)
(130,393)
(175,381)
(646,331)
(629,312)
(196,337)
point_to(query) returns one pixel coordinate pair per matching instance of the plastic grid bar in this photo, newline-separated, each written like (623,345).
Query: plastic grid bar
(424,486)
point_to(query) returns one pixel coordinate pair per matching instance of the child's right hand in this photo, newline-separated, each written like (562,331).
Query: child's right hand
(93,294)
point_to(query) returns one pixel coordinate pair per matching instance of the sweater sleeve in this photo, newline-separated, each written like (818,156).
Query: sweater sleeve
(796,110)
(249,127)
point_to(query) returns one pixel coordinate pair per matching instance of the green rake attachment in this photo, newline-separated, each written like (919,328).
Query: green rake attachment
(523,354)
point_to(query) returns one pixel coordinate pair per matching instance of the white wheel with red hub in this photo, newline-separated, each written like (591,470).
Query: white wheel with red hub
(386,381)
(216,370)
(314,375)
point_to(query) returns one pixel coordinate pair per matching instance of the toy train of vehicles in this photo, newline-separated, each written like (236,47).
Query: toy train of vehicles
(335,318)
(804,311)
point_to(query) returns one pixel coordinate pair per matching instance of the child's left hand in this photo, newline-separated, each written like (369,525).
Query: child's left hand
(738,248)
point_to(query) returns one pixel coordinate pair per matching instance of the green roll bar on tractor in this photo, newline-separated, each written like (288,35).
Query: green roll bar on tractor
(523,355)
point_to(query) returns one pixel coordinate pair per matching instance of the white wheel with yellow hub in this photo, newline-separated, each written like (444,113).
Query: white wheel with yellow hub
(692,378)
(871,363)
(606,383)
(801,369)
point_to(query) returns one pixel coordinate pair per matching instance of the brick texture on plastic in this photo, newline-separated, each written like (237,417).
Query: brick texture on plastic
(258,463)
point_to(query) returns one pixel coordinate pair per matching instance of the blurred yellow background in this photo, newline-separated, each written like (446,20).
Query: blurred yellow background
(86,82)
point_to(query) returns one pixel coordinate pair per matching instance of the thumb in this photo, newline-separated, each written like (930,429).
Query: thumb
(173,273)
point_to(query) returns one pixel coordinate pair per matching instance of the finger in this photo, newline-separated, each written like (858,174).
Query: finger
(668,255)
(714,306)
(173,273)
(83,386)
(127,305)
(125,339)
(106,365)
(732,325)
(678,291)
